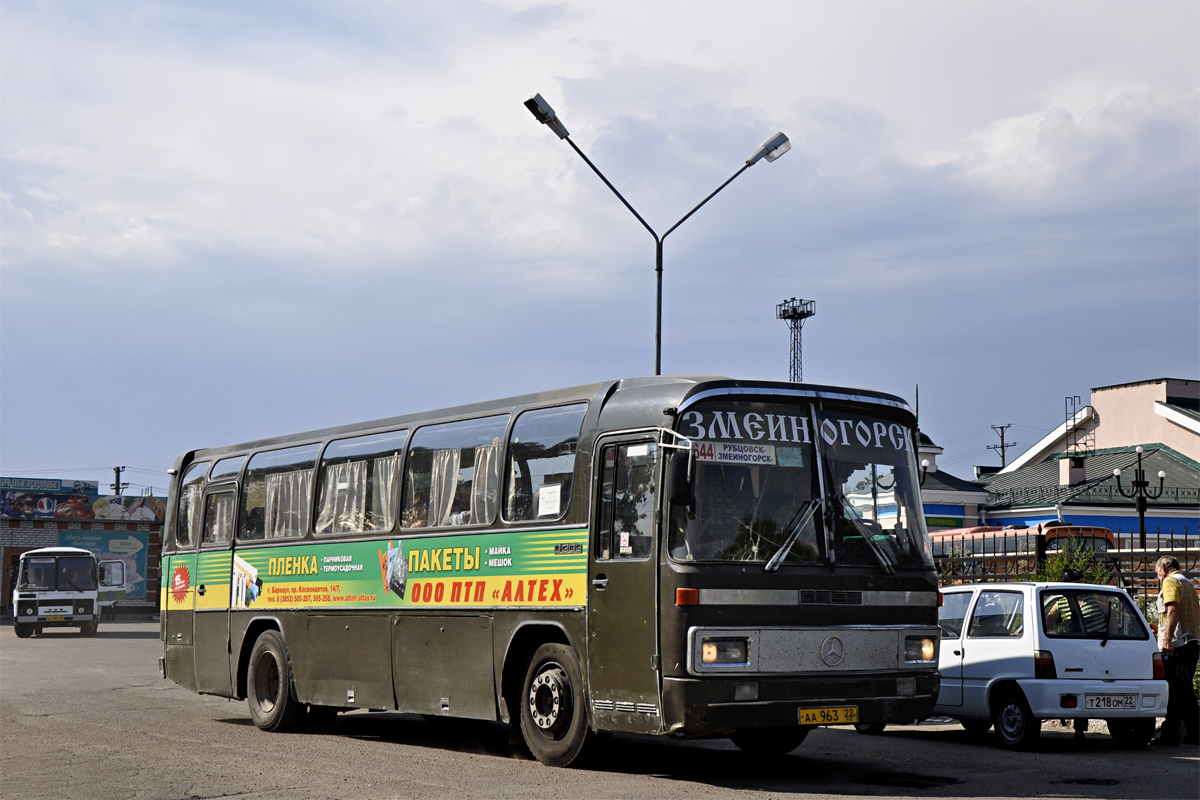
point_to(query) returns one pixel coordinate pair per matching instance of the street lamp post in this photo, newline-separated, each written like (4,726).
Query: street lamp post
(1139,494)
(771,149)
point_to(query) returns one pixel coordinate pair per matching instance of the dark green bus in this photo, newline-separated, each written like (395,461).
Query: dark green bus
(682,556)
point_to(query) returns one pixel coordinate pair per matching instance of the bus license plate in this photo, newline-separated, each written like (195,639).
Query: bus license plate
(841,715)
(56,619)
(1110,701)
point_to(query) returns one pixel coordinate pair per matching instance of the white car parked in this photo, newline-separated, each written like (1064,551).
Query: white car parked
(1014,654)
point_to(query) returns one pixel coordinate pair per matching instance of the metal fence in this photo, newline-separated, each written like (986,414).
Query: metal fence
(1022,556)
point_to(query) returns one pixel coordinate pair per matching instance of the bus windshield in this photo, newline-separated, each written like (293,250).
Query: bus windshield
(765,489)
(875,510)
(63,574)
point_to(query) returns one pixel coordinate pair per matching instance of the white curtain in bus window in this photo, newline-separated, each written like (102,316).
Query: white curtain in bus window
(541,462)
(485,487)
(453,474)
(289,496)
(383,493)
(357,483)
(343,498)
(870,465)
(443,482)
(277,493)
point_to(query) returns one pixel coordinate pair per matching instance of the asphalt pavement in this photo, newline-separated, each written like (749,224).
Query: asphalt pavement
(93,718)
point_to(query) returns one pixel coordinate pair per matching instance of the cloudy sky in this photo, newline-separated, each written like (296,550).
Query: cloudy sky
(223,221)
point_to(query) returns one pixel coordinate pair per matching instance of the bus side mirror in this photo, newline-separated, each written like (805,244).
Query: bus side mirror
(679,485)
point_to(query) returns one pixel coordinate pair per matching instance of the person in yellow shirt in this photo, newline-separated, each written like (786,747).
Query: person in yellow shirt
(1179,640)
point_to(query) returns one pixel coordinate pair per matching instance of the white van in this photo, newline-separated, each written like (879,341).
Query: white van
(1014,654)
(57,587)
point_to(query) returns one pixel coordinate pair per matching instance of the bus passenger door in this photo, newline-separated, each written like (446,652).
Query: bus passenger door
(214,568)
(623,673)
(179,574)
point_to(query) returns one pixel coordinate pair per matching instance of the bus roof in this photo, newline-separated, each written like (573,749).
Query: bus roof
(629,402)
(58,551)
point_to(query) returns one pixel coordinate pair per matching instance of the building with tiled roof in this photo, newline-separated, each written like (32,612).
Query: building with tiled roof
(1069,473)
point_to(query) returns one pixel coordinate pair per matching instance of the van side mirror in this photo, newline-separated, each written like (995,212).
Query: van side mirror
(679,484)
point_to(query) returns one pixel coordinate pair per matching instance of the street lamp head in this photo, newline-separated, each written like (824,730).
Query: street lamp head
(1117,473)
(545,115)
(771,149)
(1139,449)
(1162,475)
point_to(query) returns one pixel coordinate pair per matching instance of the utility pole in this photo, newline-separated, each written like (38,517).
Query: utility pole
(794,312)
(1002,447)
(117,486)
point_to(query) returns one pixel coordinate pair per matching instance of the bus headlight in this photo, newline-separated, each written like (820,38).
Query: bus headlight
(919,648)
(725,651)
(28,611)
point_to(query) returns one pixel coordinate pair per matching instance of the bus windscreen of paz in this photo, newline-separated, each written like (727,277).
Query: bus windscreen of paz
(678,556)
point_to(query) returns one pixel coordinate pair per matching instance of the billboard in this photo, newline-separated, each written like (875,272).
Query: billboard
(79,501)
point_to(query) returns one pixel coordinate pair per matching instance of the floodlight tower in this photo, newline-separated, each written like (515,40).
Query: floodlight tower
(795,312)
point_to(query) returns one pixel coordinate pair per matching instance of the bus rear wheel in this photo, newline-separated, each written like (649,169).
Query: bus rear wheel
(268,686)
(23,630)
(553,711)
(769,741)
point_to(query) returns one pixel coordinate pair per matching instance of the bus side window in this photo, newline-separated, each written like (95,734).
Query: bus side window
(626,514)
(277,493)
(187,521)
(218,519)
(541,463)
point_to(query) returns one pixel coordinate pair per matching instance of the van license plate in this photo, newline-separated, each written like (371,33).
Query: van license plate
(842,715)
(1110,701)
(56,619)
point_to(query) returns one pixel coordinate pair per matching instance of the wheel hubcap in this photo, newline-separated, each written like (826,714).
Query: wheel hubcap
(266,683)
(547,698)
(1012,721)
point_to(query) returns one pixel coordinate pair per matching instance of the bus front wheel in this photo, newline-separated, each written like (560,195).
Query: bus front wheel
(23,631)
(90,628)
(553,711)
(268,686)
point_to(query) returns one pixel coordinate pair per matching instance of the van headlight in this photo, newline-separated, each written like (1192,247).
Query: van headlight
(724,652)
(920,648)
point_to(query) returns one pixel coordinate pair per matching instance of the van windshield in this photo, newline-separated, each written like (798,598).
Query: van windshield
(63,574)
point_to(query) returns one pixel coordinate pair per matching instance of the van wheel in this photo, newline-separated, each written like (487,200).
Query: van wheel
(1015,723)
(870,728)
(976,727)
(23,630)
(1132,734)
(770,741)
(268,686)
(553,714)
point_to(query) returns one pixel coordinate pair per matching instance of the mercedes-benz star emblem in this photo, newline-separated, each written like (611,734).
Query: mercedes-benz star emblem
(832,651)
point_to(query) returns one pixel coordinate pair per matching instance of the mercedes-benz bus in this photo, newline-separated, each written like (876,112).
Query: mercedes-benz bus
(678,556)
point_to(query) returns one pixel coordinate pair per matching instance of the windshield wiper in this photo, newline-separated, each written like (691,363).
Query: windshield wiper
(868,537)
(786,547)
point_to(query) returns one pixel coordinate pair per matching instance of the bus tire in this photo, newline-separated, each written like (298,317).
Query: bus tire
(269,686)
(776,741)
(23,630)
(870,728)
(1016,727)
(90,628)
(553,708)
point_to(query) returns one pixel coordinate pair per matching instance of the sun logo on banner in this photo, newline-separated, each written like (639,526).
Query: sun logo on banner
(179,583)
